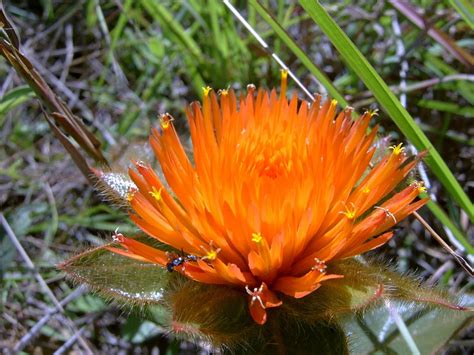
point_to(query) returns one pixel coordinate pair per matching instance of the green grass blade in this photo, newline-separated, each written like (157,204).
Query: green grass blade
(293,46)
(387,100)
(167,20)
(14,98)
(465,9)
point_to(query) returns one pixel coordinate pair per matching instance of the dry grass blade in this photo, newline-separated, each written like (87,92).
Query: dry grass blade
(66,119)
(11,235)
(460,260)
(27,338)
(7,26)
(440,37)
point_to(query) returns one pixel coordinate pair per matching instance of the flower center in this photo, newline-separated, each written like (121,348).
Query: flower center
(273,164)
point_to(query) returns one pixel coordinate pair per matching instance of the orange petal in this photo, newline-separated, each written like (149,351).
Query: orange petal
(301,286)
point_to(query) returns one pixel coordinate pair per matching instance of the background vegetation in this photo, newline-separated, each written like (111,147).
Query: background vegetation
(119,63)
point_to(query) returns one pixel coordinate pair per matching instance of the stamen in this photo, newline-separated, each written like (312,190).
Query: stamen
(165,121)
(117,237)
(366,190)
(374,112)
(156,193)
(206,90)
(256,295)
(320,266)
(257,238)
(223,92)
(251,88)
(420,186)
(284,78)
(140,164)
(387,213)
(211,253)
(397,149)
(350,213)
(131,193)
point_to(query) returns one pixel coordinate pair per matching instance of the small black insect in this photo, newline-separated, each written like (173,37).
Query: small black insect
(177,260)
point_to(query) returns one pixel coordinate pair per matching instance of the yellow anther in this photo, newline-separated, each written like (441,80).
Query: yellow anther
(223,92)
(420,186)
(333,102)
(206,90)
(374,112)
(257,238)
(165,121)
(130,194)
(350,213)
(156,193)
(284,74)
(211,253)
(397,149)
(366,190)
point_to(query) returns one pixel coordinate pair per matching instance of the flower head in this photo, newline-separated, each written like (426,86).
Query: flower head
(279,190)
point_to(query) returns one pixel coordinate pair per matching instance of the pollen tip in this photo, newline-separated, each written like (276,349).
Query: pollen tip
(117,236)
(206,90)
(420,186)
(284,77)
(156,193)
(319,265)
(223,92)
(350,213)
(397,149)
(374,112)
(211,253)
(257,238)
(165,120)
(130,194)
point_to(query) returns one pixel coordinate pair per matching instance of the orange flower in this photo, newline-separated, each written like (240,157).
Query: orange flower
(278,190)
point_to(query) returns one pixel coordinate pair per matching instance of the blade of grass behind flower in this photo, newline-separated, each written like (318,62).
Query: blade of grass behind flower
(167,21)
(388,101)
(178,34)
(14,98)
(302,56)
(465,9)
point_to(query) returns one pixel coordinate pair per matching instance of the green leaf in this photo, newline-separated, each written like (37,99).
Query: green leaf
(14,98)
(118,277)
(168,22)
(388,101)
(137,331)
(375,332)
(466,9)
(450,107)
